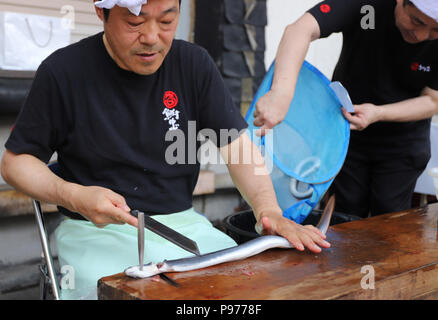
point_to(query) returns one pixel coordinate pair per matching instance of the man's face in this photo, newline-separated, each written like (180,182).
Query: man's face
(140,44)
(414,25)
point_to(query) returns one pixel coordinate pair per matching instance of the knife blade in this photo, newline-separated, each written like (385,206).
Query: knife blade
(168,233)
(140,234)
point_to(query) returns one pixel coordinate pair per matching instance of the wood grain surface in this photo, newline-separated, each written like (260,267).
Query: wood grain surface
(401,248)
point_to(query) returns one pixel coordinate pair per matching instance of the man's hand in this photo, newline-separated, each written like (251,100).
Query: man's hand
(271,109)
(100,206)
(298,235)
(363,116)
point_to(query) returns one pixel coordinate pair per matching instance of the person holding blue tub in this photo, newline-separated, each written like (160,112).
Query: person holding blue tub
(389,65)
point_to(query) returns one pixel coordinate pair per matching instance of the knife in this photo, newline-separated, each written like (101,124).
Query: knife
(167,233)
(141,239)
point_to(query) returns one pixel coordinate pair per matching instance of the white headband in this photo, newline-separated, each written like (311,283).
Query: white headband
(133,5)
(428,7)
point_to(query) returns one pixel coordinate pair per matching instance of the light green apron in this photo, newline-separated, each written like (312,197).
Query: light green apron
(88,253)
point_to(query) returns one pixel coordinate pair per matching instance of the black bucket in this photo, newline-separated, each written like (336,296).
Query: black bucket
(240,225)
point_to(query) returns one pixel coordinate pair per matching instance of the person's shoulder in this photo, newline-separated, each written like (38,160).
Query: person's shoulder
(189,58)
(188,49)
(432,49)
(70,56)
(385,7)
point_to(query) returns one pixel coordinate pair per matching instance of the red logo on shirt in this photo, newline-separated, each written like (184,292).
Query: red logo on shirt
(415,66)
(419,67)
(325,8)
(170,99)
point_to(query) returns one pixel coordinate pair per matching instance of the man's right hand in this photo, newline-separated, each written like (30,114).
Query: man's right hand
(99,205)
(271,109)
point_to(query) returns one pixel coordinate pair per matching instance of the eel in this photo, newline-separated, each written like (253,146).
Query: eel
(243,251)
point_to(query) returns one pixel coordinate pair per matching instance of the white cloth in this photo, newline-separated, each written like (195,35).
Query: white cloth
(133,5)
(428,7)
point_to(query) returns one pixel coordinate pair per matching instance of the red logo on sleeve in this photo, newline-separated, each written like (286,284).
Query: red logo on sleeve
(170,99)
(325,8)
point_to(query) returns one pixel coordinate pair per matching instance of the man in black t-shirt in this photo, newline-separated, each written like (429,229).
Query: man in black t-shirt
(112,106)
(389,65)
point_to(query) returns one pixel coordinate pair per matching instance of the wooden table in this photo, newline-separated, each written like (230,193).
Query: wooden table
(400,248)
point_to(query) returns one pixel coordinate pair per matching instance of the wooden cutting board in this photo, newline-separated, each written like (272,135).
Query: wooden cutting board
(393,256)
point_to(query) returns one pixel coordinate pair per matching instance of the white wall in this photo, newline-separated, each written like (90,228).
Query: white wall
(323,53)
(86,21)
(185,23)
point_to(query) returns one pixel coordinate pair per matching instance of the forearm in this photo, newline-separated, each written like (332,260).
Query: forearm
(257,190)
(415,109)
(272,108)
(291,53)
(251,176)
(31,176)
(99,205)
(253,180)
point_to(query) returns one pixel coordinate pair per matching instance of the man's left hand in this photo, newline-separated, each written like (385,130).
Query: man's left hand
(364,115)
(298,235)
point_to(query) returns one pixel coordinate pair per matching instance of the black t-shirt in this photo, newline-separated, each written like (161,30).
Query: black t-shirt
(108,125)
(377,66)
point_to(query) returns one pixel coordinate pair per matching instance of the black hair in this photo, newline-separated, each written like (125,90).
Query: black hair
(407,2)
(106,12)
